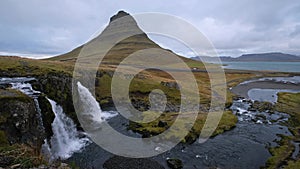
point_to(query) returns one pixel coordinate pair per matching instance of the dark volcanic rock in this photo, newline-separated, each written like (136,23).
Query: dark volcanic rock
(120,14)
(19,120)
(58,87)
(117,162)
(162,124)
(47,116)
(4,86)
(175,163)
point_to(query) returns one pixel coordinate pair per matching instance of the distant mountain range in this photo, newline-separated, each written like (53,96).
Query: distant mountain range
(261,57)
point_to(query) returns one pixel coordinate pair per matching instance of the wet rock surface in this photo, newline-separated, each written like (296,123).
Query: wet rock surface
(257,112)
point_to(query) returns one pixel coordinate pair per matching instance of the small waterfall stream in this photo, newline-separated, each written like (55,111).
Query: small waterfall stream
(25,87)
(65,140)
(90,109)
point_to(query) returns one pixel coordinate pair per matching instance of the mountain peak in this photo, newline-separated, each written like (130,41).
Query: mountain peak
(114,31)
(120,14)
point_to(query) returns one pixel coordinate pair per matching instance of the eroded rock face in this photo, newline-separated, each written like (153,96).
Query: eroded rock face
(47,116)
(58,87)
(19,120)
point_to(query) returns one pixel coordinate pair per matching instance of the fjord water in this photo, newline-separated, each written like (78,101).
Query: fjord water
(266,66)
(267,95)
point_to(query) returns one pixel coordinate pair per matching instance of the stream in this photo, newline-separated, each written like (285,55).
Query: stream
(246,146)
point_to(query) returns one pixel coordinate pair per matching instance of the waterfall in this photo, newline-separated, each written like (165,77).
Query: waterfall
(91,114)
(65,140)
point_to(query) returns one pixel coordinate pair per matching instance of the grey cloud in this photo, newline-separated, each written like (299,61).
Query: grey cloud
(234,27)
(296,31)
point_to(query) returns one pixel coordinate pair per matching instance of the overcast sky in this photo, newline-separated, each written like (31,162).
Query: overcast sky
(42,28)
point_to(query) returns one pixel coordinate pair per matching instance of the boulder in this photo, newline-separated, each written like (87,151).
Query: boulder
(174,163)
(171,85)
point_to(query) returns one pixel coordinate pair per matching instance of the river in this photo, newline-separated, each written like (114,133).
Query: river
(245,146)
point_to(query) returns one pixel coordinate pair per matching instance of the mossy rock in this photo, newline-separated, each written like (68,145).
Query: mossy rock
(18,119)
(262,106)
(12,94)
(153,128)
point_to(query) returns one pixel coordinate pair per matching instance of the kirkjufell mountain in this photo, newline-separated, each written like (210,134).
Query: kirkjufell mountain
(125,47)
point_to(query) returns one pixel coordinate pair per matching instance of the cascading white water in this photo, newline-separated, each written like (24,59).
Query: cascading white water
(65,140)
(91,111)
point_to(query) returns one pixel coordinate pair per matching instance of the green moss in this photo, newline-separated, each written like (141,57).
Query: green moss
(227,122)
(292,165)
(280,153)
(290,103)
(11,94)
